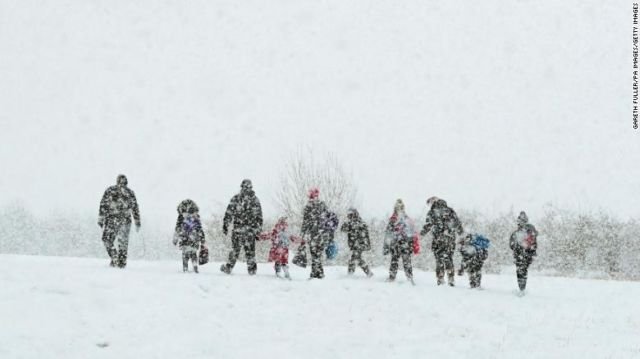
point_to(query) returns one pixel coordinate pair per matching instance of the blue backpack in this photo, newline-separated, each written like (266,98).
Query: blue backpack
(331,251)
(480,242)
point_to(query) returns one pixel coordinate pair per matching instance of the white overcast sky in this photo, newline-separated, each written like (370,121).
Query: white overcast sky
(492,105)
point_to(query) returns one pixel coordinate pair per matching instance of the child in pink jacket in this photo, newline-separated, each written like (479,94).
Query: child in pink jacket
(281,239)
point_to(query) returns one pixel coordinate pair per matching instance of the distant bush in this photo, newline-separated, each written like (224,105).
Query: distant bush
(570,243)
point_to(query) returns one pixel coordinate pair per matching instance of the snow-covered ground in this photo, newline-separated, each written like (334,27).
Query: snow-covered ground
(52,307)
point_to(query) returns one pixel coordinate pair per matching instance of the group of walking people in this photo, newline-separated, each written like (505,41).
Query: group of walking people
(244,220)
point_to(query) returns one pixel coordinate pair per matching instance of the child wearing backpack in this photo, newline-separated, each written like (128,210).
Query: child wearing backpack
(329,226)
(281,239)
(358,240)
(188,235)
(399,242)
(474,249)
(524,244)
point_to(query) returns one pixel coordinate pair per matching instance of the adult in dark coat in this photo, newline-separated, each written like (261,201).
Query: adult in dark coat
(245,213)
(524,244)
(117,206)
(313,225)
(358,240)
(444,224)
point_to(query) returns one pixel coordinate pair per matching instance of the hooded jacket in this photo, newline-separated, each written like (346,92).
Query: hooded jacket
(313,217)
(357,232)
(244,211)
(442,221)
(524,240)
(119,202)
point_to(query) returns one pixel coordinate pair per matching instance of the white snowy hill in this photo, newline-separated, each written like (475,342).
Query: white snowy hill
(53,307)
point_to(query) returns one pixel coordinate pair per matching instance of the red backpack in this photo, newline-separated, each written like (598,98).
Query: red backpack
(416,244)
(529,240)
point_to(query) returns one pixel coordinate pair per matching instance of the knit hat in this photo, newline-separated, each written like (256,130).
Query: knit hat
(522,218)
(314,193)
(122,180)
(246,185)
(399,206)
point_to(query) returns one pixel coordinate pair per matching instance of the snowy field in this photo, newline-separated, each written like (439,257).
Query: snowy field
(81,308)
(495,106)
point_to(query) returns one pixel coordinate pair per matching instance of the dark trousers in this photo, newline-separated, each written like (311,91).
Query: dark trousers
(282,266)
(356,259)
(444,262)
(115,237)
(189,253)
(523,262)
(246,240)
(316,248)
(473,265)
(400,251)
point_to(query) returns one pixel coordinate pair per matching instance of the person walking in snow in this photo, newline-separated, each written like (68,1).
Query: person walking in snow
(358,240)
(330,224)
(524,244)
(245,213)
(474,249)
(117,206)
(188,234)
(313,225)
(399,237)
(281,240)
(443,223)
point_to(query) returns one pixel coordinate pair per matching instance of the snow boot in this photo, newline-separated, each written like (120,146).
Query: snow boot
(451,278)
(286,272)
(522,284)
(252,268)
(225,269)
(121,258)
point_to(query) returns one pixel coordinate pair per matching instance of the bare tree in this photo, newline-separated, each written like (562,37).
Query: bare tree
(303,172)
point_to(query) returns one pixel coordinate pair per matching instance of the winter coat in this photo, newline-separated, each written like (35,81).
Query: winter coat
(524,241)
(400,232)
(281,239)
(119,203)
(357,234)
(471,253)
(189,233)
(245,212)
(443,222)
(186,207)
(313,218)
